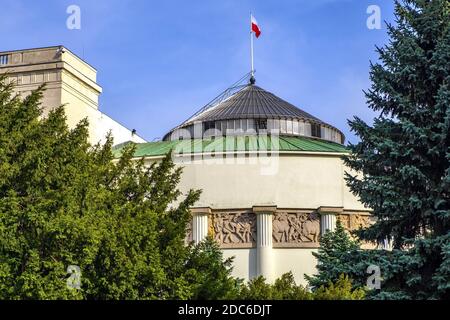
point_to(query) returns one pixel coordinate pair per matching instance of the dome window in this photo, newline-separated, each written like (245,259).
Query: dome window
(261,124)
(315,130)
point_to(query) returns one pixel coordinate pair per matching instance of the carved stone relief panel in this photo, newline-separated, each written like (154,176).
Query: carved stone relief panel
(234,229)
(296,229)
(345,220)
(355,221)
(211,225)
(358,221)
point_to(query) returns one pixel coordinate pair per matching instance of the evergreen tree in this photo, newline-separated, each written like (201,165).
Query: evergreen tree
(403,159)
(64,202)
(340,257)
(256,289)
(342,289)
(335,256)
(211,274)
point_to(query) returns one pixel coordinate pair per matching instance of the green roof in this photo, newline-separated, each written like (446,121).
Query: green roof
(234,144)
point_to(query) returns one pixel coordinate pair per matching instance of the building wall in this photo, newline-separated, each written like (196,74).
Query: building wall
(297,185)
(27,81)
(244,263)
(302,180)
(298,261)
(70,81)
(105,124)
(82,102)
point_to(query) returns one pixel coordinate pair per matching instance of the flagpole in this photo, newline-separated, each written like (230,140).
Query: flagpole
(251,45)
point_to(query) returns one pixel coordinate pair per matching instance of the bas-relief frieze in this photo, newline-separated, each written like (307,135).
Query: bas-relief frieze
(235,229)
(296,229)
(290,228)
(355,221)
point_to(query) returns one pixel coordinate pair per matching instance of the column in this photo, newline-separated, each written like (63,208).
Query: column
(200,223)
(387,244)
(328,218)
(264,259)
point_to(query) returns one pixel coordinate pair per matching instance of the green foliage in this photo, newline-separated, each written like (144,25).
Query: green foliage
(285,288)
(341,290)
(256,289)
(64,202)
(403,159)
(211,274)
(339,255)
(334,257)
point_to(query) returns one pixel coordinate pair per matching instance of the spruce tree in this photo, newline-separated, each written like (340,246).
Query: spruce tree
(403,158)
(335,257)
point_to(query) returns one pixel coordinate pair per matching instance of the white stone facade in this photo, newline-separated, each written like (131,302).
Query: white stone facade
(70,81)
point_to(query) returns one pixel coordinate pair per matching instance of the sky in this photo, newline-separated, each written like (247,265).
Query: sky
(160,61)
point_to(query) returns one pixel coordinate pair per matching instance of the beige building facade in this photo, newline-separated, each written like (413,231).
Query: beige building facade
(272,180)
(70,81)
(270,221)
(271,175)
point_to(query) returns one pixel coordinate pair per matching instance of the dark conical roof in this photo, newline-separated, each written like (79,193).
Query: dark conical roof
(253,102)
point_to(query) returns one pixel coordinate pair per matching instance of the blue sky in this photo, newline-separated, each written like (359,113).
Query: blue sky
(160,61)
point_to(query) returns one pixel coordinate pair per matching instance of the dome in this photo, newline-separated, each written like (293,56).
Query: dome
(252,110)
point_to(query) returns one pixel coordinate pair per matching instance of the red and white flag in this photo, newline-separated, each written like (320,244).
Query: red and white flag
(254,26)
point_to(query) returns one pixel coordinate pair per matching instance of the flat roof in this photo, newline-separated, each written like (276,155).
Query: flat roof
(49,47)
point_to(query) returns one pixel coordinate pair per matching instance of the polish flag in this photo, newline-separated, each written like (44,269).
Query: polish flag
(255,27)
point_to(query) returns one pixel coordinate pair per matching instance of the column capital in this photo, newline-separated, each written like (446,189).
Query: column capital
(200,210)
(322,210)
(264,209)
